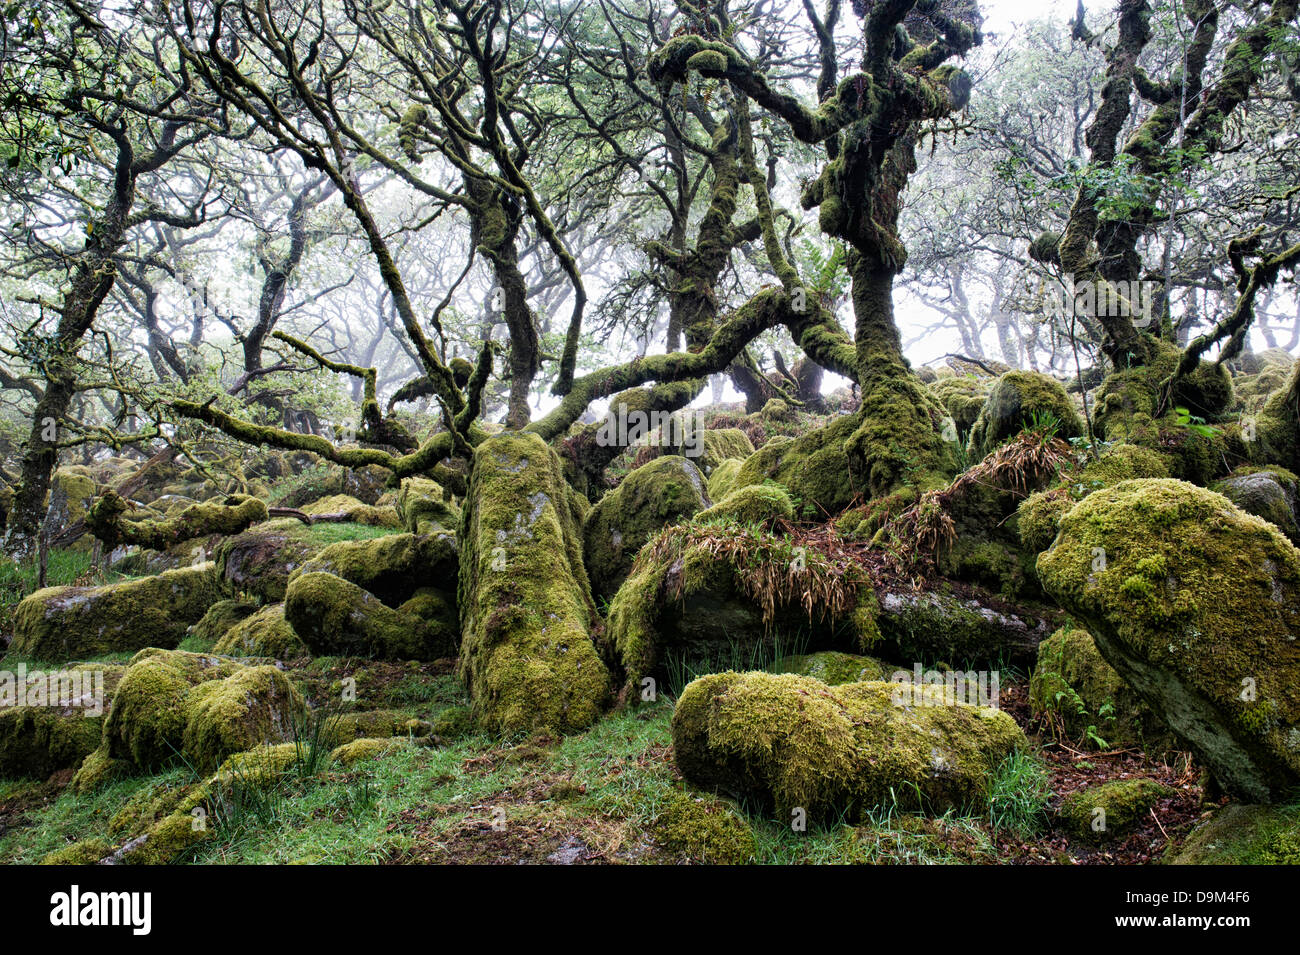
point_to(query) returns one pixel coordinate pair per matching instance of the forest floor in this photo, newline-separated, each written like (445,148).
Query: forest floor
(600,796)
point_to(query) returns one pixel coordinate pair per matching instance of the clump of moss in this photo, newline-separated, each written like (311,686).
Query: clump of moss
(363,750)
(527,656)
(1108,811)
(793,742)
(264,634)
(83,852)
(343,728)
(702,828)
(453,722)
(756,504)
(1195,603)
(1017,400)
(63,623)
(333,616)
(664,491)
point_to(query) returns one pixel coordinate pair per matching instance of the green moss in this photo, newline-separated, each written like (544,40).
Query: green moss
(756,504)
(264,634)
(664,491)
(703,829)
(38,740)
(1245,835)
(425,508)
(1039,516)
(834,667)
(357,512)
(203,708)
(723,479)
(343,728)
(454,722)
(392,567)
(1210,644)
(334,616)
(527,656)
(227,516)
(793,742)
(813,467)
(62,623)
(1109,811)
(84,852)
(221,616)
(963,397)
(1072,683)
(898,441)
(1018,400)
(363,750)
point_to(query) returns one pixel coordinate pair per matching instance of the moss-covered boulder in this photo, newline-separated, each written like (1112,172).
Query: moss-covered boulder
(1072,685)
(203,708)
(1017,400)
(706,448)
(1196,605)
(60,720)
(756,504)
(392,567)
(963,397)
(1244,835)
(264,634)
(1110,810)
(814,467)
(425,508)
(527,656)
(259,561)
(665,491)
(333,616)
(723,479)
(792,742)
(201,637)
(700,598)
(834,667)
(1038,516)
(63,623)
(1271,493)
(353,511)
